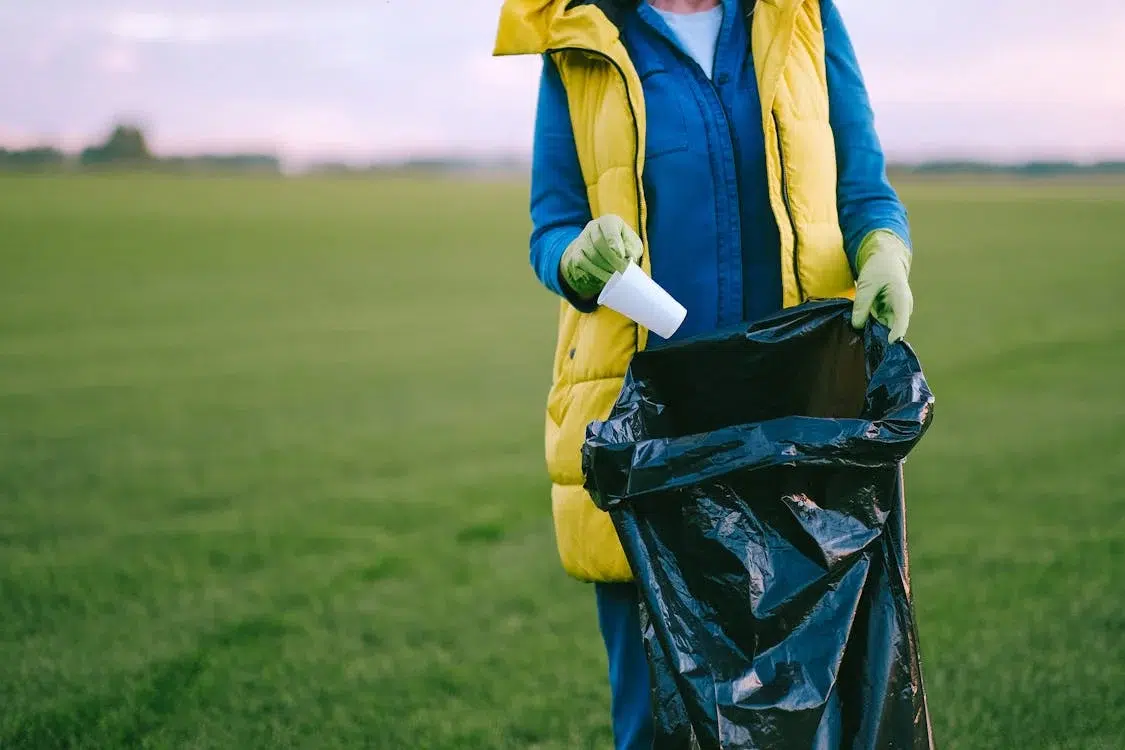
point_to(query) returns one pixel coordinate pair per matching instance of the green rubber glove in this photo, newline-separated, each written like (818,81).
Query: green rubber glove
(882,290)
(607,244)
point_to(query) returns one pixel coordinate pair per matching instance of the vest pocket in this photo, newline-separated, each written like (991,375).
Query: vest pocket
(665,124)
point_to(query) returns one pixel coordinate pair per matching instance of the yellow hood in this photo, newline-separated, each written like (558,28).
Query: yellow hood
(533,27)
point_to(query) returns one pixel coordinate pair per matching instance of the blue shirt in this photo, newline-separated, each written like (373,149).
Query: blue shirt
(713,238)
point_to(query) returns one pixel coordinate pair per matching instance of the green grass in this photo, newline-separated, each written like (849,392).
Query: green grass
(271,469)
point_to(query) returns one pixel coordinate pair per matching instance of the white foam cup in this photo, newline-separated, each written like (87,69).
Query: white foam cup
(636,296)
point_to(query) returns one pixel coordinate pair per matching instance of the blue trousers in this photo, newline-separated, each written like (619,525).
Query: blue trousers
(620,622)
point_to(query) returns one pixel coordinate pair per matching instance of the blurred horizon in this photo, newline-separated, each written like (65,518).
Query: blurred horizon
(359,82)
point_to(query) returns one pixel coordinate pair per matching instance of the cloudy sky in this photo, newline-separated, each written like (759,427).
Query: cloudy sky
(357,79)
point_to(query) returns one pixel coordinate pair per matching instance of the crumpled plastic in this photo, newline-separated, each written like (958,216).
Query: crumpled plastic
(754,477)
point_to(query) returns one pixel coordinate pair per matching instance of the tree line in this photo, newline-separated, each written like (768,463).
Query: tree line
(1022,169)
(127,147)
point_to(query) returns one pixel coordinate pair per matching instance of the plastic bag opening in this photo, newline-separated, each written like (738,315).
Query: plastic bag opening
(821,373)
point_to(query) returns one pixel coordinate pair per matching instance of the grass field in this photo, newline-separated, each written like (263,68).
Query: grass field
(271,471)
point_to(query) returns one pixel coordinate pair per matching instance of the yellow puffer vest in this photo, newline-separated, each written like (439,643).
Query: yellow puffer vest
(607,110)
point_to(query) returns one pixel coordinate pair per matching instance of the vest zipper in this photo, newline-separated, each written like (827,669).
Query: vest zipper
(641,229)
(788,207)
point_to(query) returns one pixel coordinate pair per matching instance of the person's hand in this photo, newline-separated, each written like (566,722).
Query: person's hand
(882,290)
(606,245)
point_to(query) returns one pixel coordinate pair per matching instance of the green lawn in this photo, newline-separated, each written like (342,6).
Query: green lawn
(271,469)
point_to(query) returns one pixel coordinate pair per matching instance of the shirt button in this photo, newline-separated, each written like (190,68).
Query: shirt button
(723,78)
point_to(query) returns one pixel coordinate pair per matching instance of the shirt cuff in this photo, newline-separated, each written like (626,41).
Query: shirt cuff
(551,273)
(578,303)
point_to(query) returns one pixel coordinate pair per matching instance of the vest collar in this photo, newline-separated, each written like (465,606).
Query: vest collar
(614,10)
(534,27)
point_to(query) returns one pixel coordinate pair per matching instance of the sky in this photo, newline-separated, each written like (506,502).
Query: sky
(387,79)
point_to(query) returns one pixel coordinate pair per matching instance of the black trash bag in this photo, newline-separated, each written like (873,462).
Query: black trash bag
(754,478)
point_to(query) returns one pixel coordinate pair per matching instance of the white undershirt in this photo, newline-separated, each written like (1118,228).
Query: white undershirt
(698,33)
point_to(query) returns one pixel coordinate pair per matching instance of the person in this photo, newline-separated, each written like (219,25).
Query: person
(728,148)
